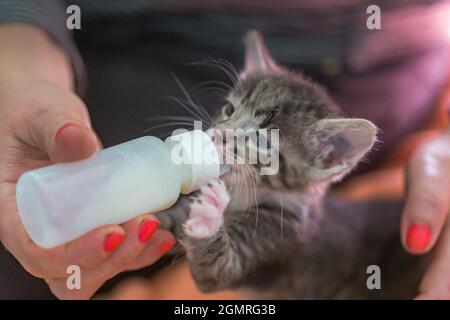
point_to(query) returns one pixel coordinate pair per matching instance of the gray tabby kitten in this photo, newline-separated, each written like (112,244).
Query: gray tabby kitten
(282,236)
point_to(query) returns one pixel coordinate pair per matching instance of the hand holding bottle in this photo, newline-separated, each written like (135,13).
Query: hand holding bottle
(43,122)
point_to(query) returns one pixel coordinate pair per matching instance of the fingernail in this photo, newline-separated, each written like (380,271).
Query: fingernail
(112,241)
(166,246)
(63,128)
(147,228)
(418,237)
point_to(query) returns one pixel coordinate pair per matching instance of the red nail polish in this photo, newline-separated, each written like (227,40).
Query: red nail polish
(112,241)
(166,246)
(147,228)
(418,237)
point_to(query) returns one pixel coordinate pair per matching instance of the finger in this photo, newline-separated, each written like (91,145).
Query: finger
(138,231)
(94,247)
(62,130)
(72,142)
(59,287)
(436,281)
(86,252)
(161,243)
(427,201)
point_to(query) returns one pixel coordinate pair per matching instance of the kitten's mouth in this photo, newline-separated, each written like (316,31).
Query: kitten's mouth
(225,169)
(236,177)
(226,173)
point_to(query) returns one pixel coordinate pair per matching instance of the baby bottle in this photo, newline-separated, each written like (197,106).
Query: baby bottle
(61,202)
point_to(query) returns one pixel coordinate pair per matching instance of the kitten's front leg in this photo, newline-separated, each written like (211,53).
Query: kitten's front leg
(212,260)
(224,246)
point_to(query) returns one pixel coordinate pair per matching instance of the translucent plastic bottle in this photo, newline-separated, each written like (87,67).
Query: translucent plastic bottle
(61,202)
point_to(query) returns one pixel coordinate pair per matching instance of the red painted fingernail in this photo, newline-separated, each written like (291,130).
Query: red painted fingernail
(147,229)
(418,237)
(112,241)
(166,246)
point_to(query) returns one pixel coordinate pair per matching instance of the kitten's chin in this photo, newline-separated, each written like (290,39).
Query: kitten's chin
(228,177)
(237,178)
(232,178)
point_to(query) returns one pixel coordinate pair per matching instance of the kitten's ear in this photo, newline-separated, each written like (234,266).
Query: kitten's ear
(341,143)
(257,58)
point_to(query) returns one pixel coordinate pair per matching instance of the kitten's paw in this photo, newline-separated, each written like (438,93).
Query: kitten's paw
(206,210)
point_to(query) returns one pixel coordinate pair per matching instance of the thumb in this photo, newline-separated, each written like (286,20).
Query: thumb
(64,133)
(71,142)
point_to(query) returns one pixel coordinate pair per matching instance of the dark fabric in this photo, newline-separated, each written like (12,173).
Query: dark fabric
(16,283)
(301,32)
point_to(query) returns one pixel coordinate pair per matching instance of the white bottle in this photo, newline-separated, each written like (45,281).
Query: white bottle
(61,202)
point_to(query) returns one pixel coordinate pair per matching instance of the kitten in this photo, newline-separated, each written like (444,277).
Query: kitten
(282,236)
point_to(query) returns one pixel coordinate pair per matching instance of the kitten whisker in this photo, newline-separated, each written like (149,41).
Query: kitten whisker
(229,72)
(253,180)
(185,106)
(172,118)
(247,203)
(163,125)
(281,214)
(200,111)
(211,62)
(225,86)
(230,67)
(247,199)
(213,91)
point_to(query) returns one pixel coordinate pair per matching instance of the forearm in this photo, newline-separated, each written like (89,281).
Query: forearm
(41,35)
(29,53)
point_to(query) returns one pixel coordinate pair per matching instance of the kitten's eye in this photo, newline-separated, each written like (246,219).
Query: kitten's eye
(229,110)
